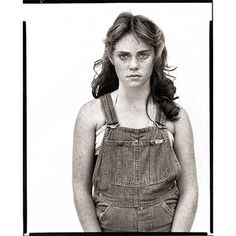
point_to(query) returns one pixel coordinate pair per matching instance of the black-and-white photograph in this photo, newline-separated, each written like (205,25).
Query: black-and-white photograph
(118,119)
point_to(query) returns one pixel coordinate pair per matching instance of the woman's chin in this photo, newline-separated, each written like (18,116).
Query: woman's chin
(136,84)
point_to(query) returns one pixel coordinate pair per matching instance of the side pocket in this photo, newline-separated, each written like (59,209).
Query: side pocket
(162,217)
(168,208)
(171,202)
(101,209)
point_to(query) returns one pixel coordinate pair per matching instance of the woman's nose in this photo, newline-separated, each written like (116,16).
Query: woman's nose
(134,64)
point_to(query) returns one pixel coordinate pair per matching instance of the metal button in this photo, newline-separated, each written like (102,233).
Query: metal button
(136,142)
(120,143)
(152,142)
(159,141)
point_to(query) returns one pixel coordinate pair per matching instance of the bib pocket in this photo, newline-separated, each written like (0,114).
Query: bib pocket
(136,163)
(159,161)
(118,162)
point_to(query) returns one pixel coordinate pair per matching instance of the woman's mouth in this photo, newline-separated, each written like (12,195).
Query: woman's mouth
(134,76)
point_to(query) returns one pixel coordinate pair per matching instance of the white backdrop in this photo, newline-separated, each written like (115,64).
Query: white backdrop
(63,41)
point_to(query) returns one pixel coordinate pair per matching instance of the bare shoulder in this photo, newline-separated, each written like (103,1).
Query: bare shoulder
(179,124)
(90,114)
(182,126)
(183,118)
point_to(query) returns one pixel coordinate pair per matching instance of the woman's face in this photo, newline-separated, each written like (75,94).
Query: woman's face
(133,61)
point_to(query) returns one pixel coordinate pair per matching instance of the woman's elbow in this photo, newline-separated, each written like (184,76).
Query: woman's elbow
(194,192)
(193,198)
(190,196)
(80,190)
(82,197)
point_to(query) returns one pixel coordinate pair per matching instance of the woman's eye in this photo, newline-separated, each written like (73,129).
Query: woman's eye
(123,57)
(143,56)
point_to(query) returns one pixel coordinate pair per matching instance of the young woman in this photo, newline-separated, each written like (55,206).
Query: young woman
(133,156)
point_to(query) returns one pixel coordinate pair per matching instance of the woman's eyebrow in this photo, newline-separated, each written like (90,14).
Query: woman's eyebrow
(122,52)
(144,51)
(141,51)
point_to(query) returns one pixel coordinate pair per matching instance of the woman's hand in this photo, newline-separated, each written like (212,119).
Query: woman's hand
(187,183)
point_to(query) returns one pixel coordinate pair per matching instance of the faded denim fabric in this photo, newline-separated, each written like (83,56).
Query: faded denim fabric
(135,176)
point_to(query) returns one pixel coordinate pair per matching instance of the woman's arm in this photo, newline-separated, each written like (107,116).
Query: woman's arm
(187,183)
(83,164)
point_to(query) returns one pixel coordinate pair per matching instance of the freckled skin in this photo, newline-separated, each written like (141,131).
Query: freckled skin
(130,105)
(138,59)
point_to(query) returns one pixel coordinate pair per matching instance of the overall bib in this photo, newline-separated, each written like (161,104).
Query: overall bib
(135,176)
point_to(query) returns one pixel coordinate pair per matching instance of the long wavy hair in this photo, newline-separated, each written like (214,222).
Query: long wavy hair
(162,89)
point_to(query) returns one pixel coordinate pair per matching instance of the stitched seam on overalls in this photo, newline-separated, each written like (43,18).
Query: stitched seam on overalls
(108,109)
(113,189)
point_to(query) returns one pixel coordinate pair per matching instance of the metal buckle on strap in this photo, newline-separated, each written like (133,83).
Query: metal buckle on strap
(113,126)
(159,125)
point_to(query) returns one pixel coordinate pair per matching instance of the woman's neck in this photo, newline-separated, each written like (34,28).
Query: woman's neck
(133,95)
(131,104)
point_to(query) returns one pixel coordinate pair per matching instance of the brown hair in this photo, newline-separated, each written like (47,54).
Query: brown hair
(162,87)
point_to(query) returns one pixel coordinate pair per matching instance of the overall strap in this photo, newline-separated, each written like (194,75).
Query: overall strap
(160,118)
(108,109)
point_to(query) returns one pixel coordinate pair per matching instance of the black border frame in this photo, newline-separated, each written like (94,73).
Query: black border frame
(24,130)
(25,219)
(96,1)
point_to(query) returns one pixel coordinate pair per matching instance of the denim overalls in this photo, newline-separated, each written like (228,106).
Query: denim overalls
(135,176)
